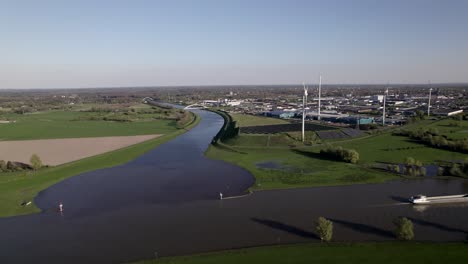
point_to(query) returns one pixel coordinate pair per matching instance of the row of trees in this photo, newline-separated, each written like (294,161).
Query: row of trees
(11,166)
(459,169)
(413,167)
(432,138)
(403,229)
(340,153)
(183,118)
(229,130)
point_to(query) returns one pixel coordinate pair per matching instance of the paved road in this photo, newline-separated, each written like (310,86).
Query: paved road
(166,202)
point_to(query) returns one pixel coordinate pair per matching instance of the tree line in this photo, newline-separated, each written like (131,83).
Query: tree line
(340,153)
(12,166)
(229,129)
(411,167)
(433,138)
(459,169)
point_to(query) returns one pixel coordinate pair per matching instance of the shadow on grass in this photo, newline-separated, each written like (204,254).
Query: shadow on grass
(437,225)
(362,228)
(287,228)
(312,155)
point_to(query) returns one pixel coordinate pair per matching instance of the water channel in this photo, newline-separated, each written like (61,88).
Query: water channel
(166,202)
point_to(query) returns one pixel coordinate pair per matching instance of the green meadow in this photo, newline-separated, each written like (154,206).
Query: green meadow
(251,120)
(68,124)
(290,164)
(359,253)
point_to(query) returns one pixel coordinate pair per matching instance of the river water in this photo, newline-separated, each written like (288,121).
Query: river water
(166,203)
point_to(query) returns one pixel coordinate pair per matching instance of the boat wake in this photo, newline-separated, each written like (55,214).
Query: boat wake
(391,204)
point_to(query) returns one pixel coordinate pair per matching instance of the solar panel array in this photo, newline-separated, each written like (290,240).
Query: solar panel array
(352,132)
(332,134)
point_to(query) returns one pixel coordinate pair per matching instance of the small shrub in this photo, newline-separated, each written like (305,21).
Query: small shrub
(3,166)
(324,228)
(340,153)
(36,162)
(403,228)
(11,166)
(440,171)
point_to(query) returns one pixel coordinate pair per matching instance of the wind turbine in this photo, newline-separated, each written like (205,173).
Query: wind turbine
(429,102)
(384,99)
(319,96)
(304,103)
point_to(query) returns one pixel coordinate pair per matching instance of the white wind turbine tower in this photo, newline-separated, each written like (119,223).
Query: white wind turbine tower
(304,103)
(319,96)
(384,99)
(429,102)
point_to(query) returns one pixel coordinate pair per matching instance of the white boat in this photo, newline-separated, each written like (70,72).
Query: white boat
(422,199)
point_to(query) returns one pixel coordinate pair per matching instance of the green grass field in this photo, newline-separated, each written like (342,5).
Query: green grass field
(454,129)
(24,186)
(382,253)
(389,148)
(302,166)
(61,124)
(298,168)
(252,140)
(251,120)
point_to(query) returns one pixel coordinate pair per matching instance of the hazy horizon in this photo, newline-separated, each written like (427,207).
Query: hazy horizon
(105,44)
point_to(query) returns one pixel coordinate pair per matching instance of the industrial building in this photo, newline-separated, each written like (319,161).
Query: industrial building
(280,114)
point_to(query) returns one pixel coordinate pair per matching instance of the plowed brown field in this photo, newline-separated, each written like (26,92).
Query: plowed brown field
(59,151)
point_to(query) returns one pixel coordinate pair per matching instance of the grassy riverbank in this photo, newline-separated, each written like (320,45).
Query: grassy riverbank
(294,168)
(18,187)
(280,161)
(385,253)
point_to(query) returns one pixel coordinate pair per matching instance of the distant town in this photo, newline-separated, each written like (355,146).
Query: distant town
(340,105)
(352,105)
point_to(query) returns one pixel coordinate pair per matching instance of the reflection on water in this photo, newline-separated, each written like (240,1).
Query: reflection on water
(425,207)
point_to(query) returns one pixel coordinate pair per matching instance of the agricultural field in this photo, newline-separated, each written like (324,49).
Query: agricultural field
(58,151)
(84,123)
(333,253)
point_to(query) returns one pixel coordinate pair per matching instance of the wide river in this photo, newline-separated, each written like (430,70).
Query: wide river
(166,202)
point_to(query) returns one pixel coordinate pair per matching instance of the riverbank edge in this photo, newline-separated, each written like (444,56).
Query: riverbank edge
(41,180)
(333,252)
(217,143)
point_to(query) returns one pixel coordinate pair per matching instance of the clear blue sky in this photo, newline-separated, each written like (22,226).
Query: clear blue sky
(60,44)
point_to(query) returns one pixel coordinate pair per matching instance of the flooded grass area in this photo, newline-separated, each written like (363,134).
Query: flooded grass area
(289,168)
